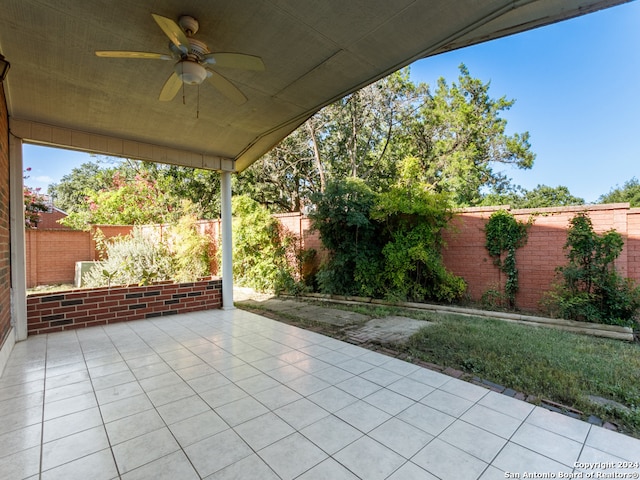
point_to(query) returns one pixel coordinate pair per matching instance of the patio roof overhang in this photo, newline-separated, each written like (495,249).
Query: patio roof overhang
(61,94)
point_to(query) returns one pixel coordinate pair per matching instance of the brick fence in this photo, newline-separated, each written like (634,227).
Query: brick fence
(53,312)
(465,253)
(52,253)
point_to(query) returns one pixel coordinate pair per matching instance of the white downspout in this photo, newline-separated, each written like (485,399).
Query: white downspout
(227,242)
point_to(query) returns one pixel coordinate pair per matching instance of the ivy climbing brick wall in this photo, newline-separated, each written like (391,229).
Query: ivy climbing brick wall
(466,255)
(5,258)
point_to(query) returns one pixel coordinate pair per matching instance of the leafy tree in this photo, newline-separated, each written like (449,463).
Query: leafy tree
(357,136)
(540,197)
(201,188)
(135,192)
(34,204)
(360,136)
(456,132)
(384,244)
(459,136)
(70,193)
(136,201)
(285,177)
(629,192)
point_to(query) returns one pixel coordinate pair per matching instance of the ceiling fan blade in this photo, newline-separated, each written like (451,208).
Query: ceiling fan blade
(123,54)
(173,31)
(227,88)
(235,60)
(170,88)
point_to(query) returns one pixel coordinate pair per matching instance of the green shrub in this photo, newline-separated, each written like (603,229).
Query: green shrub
(137,259)
(264,256)
(412,218)
(342,216)
(144,257)
(589,288)
(494,299)
(189,249)
(385,245)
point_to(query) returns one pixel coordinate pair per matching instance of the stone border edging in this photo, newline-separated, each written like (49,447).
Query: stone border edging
(594,329)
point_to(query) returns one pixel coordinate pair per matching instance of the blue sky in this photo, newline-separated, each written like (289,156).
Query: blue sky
(576,86)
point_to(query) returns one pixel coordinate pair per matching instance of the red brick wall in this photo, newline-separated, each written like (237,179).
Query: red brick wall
(53,312)
(5,254)
(49,220)
(52,254)
(633,243)
(466,255)
(300,226)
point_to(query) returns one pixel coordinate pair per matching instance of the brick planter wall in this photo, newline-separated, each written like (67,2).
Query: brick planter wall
(53,312)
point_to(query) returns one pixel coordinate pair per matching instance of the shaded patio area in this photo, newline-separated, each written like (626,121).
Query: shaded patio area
(227,394)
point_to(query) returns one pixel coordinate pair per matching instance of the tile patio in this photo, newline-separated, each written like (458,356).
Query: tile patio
(232,395)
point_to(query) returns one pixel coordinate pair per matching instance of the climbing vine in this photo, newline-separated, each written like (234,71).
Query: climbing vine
(504,235)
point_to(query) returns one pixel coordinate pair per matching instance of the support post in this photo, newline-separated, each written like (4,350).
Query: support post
(18,256)
(227,242)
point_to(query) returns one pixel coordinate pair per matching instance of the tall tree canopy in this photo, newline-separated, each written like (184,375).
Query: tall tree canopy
(357,136)
(459,137)
(629,192)
(539,197)
(134,192)
(456,133)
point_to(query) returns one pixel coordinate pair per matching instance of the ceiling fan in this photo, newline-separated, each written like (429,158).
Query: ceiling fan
(193,60)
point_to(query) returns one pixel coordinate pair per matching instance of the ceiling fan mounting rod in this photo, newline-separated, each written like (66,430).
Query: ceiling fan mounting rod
(188,24)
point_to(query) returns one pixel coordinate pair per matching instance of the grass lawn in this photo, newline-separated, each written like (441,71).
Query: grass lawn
(551,364)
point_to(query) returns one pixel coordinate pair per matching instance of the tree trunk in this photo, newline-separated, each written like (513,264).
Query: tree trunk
(316,155)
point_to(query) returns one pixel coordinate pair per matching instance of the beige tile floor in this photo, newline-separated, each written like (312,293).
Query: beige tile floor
(233,395)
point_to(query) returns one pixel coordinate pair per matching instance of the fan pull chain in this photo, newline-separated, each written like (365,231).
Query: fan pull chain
(198,103)
(182,71)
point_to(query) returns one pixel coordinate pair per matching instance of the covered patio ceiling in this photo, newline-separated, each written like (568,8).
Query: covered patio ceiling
(60,93)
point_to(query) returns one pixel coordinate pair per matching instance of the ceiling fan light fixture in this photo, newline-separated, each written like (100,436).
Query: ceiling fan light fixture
(190,72)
